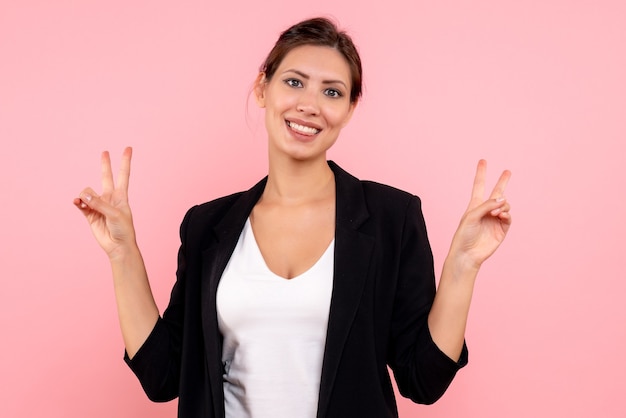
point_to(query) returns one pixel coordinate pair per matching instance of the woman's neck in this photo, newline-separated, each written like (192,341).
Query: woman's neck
(296,182)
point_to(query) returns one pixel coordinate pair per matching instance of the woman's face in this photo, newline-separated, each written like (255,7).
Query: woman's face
(307,102)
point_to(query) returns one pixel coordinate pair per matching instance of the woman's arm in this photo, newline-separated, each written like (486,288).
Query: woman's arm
(110,219)
(482,229)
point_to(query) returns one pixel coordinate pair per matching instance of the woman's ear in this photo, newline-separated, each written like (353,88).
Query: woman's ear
(259,89)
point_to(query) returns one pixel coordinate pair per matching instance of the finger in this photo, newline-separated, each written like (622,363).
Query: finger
(490,207)
(123,176)
(82,202)
(505,217)
(478,189)
(89,200)
(501,209)
(82,206)
(106,172)
(505,208)
(498,190)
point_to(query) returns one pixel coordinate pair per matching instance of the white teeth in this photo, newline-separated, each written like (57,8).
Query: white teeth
(302,128)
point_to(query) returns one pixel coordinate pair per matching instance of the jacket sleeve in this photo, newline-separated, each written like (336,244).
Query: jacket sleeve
(157,363)
(421,370)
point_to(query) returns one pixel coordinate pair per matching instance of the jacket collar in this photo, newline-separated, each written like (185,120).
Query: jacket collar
(351,210)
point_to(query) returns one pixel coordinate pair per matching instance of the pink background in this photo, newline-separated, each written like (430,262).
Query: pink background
(538,87)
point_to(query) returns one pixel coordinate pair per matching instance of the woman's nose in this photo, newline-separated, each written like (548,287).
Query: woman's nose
(308,104)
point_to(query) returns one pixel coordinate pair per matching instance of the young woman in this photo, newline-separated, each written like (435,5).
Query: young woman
(293,297)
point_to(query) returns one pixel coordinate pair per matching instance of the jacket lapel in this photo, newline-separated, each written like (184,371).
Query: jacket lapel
(214,261)
(352,254)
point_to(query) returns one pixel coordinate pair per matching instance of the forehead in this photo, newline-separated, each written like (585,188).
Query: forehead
(317,61)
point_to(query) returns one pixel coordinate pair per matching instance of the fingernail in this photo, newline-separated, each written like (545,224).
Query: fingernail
(86,197)
(495,211)
(501,199)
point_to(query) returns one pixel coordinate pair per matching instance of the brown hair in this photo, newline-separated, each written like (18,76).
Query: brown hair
(322,32)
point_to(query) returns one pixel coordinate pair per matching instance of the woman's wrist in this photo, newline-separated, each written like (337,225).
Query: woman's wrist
(460,265)
(125,253)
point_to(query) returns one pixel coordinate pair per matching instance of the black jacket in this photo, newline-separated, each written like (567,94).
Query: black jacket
(383,288)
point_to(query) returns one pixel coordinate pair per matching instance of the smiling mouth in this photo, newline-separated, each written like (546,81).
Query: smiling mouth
(306,130)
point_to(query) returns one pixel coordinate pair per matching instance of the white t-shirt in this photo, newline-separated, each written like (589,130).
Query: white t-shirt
(274,333)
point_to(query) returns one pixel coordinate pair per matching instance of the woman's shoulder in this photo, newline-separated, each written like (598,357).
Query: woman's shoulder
(234,204)
(375,193)
(381,190)
(389,203)
(219,204)
(211,209)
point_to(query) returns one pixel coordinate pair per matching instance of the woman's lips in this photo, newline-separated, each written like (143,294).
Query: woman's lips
(303,129)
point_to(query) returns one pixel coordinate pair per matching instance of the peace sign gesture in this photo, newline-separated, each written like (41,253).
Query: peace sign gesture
(109,214)
(485,223)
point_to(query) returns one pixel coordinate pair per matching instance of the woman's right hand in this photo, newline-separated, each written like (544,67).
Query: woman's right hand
(109,214)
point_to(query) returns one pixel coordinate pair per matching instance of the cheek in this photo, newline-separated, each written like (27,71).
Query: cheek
(338,117)
(278,100)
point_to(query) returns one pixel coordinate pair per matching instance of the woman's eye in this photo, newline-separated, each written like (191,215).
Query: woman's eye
(292,82)
(333,93)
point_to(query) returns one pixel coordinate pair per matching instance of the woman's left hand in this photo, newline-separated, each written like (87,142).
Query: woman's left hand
(485,223)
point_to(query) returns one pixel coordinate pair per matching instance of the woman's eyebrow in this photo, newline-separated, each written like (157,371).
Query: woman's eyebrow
(306,77)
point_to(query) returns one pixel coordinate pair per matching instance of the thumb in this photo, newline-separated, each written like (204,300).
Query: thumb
(490,206)
(88,200)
